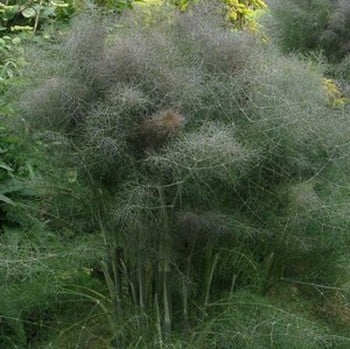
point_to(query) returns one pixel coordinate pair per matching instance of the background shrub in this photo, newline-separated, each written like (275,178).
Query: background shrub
(313,25)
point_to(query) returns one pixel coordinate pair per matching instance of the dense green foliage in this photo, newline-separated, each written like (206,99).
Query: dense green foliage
(315,25)
(176,184)
(21,20)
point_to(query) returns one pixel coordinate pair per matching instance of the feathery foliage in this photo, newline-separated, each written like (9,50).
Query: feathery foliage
(209,162)
(317,24)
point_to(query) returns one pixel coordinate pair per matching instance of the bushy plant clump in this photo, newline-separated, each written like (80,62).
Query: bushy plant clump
(213,164)
(317,24)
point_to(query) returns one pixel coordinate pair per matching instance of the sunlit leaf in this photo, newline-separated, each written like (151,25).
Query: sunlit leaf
(6,200)
(28,12)
(5,167)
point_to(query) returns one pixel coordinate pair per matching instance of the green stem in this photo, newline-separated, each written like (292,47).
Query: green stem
(167,317)
(210,280)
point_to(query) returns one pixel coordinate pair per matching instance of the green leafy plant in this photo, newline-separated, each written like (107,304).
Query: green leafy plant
(18,16)
(242,13)
(10,166)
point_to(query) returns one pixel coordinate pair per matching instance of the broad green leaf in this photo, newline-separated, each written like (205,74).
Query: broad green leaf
(28,12)
(10,12)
